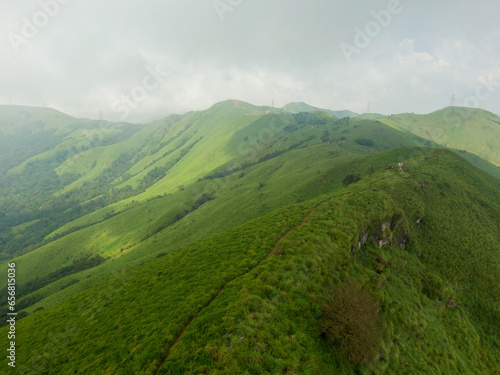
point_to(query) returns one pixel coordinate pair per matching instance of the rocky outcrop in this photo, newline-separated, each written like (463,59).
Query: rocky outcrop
(388,232)
(363,238)
(452,303)
(402,239)
(382,235)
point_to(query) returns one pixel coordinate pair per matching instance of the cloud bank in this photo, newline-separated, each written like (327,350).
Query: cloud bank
(134,61)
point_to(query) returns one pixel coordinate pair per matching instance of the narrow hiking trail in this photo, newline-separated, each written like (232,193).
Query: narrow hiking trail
(273,251)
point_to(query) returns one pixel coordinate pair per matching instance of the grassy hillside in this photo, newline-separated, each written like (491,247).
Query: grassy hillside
(139,164)
(473,133)
(34,143)
(174,182)
(199,213)
(304,107)
(32,134)
(15,119)
(291,168)
(298,107)
(26,132)
(422,240)
(370,116)
(486,166)
(473,130)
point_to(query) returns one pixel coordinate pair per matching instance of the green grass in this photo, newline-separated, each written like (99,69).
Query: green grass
(303,107)
(131,232)
(189,206)
(136,229)
(473,130)
(14,118)
(265,319)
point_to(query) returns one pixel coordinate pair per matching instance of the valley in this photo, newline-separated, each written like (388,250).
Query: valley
(209,242)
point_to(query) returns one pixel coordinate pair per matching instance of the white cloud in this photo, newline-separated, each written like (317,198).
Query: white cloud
(92,53)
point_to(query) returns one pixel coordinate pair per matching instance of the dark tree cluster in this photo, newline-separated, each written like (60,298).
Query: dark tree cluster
(351,323)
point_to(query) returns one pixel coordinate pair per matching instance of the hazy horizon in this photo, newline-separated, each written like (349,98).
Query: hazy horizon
(160,116)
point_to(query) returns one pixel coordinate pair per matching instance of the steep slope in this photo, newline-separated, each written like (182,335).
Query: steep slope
(86,165)
(34,142)
(289,167)
(107,175)
(172,183)
(32,134)
(423,240)
(25,132)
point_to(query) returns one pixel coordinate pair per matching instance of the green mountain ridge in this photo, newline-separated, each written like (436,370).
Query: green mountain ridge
(474,130)
(297,107)
(207,243)
(304,107)
(277,292)
(14,119)
(454,128)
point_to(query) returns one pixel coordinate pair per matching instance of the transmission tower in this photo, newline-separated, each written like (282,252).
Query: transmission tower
(453,102)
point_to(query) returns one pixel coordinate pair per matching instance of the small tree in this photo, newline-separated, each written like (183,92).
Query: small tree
(351,179)
(351,323)
(365,142)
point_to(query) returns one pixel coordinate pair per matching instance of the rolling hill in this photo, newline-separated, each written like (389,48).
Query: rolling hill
(473,130)
(30,134)
(298,107)
(209,243)
(473,133)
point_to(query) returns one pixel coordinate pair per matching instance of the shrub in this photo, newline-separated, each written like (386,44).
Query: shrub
(74,281)
(365,142)
(350,179)
(351,323)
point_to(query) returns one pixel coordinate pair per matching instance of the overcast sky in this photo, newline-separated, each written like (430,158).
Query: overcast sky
(135,60)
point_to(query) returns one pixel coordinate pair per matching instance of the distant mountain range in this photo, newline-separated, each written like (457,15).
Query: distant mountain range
(472,130)
(303,107)
(211,242)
